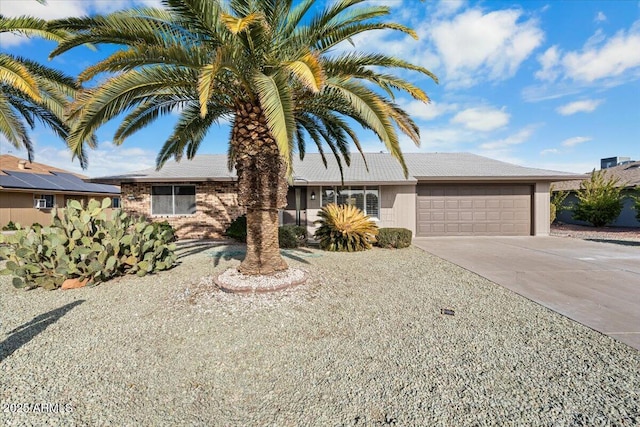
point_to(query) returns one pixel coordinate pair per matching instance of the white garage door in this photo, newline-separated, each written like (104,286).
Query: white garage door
(468,210)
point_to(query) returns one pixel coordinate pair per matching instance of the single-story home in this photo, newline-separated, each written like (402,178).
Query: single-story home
(446,194)
(628,174)
(29,190)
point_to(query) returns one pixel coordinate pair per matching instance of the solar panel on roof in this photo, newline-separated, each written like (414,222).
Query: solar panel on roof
(55,181)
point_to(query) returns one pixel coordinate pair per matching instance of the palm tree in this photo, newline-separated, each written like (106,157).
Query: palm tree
(267,66)
(31,92)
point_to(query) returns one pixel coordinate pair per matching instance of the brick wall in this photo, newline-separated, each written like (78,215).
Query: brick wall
(216,207)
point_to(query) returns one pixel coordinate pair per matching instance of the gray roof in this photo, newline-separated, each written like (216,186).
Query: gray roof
(627,174)
(53,181)
(382,169)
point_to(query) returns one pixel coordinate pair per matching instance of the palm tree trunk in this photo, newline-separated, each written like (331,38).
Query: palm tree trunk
(262,188)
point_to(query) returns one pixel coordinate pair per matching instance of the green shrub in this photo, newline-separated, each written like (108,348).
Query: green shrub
(636,202)
(394,238)
(238,229)
(557,203)
(344,228)
(292,236)
(160,227)
(11,226)
(82,243)
(599,200)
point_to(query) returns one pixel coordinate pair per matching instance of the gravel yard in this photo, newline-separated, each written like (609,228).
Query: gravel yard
(363,342)
(619,235)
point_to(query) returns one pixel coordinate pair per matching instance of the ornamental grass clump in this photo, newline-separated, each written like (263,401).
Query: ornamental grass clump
(83,244)
(345,228)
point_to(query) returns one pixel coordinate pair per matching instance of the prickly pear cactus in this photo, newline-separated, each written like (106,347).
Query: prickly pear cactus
(83,243)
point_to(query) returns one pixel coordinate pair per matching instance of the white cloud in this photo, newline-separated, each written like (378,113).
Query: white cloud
(482,118)
(449,7)
(600,17)
(475,46)
(107,159)
(584,106)
(517,138)
(422,111)
(616,56)
(549,61)
(549,151)
(600,58)
(572,142)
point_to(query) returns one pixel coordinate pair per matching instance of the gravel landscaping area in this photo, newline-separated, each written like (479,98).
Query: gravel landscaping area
(362,342)
(620,235)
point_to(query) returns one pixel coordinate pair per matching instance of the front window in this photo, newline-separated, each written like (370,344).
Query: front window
(115,202)
(364,198)
(44,201)
(173,200)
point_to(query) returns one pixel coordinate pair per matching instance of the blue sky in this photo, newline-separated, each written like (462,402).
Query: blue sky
(549,84)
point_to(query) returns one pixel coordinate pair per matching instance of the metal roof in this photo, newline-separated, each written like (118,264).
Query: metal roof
(53,181)
(382,169)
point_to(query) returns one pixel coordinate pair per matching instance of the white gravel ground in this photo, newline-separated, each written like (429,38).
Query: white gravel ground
(363,342)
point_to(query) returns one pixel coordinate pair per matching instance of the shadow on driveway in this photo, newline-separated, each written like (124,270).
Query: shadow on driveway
(28,331)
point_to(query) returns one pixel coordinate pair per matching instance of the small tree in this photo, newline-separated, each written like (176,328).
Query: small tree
(557,203)
(636,202)
(599,199)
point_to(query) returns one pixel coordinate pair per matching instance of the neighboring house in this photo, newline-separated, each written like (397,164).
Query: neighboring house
(29,190)
(629,175)
(445,194)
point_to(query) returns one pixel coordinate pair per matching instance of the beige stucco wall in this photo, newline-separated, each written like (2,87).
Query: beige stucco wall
(18,207)
(397,207)
(541,209)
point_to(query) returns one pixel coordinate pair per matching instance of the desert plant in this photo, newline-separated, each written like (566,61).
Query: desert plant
(273,68)
(599,199)
(345,228)
(292,236)
(238,229)
(394,238)
(636,202)
(81,243)
(159,227)
(557,203)
(11,226)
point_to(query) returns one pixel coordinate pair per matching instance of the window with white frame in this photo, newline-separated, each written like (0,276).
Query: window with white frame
(173,200)
(44,201)
(115,202)
(367,199)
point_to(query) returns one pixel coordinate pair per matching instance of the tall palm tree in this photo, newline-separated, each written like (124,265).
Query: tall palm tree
(31,92)
(267,66)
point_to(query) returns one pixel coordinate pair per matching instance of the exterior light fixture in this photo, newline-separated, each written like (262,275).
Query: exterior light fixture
(131,197)
(313,195)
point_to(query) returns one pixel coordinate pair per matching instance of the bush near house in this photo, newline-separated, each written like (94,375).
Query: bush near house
(397,238)
(557,203)
(599,200)
(238,229)
(636,203)
(292,236)
(345,228)
(11,226)
(83,244)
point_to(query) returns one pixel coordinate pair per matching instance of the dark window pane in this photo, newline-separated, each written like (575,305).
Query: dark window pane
(185,200)
(373,203)
(115,202)
(328,195)
(342,198)
(356,197)
(161,200)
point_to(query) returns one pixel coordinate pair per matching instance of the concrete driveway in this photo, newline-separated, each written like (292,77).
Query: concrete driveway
(596,284)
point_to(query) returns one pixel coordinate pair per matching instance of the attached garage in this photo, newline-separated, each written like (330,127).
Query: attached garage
(474,210)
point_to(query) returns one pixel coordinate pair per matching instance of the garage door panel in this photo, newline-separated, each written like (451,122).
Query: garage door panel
(490,209)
